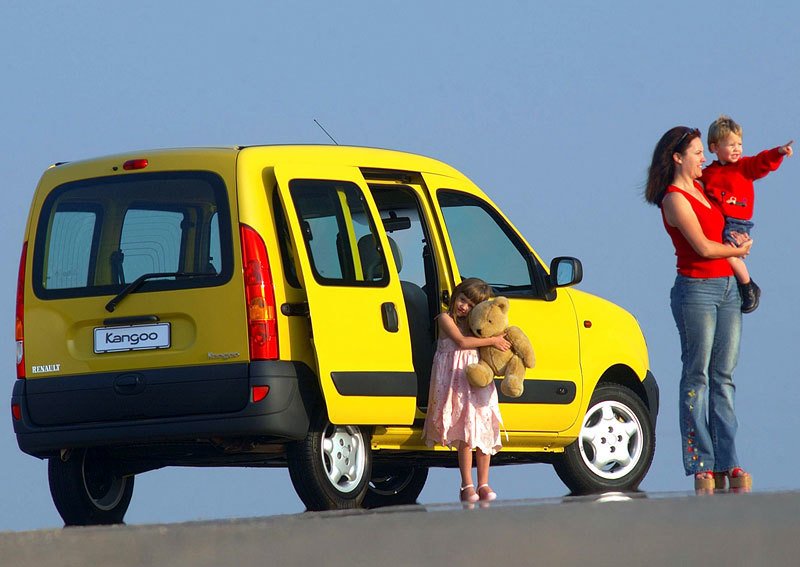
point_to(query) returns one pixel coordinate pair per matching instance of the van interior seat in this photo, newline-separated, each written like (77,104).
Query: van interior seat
(417,306)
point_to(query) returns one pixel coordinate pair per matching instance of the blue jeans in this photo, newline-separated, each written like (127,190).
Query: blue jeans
(735,225)
(709,319)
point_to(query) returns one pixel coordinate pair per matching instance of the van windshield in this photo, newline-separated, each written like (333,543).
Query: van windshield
(96,236)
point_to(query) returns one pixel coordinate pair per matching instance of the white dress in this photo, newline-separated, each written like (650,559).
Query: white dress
(456,410)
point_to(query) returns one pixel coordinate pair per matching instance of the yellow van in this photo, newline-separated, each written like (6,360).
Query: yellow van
(274,306)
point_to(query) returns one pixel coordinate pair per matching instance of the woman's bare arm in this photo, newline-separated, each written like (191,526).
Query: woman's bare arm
(679,213)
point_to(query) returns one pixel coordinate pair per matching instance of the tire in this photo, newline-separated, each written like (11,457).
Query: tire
(86,490)
(615,446)
(330,469)
(393,485)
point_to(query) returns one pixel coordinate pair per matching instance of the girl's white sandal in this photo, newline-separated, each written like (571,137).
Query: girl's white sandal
(471,498)
(489,495)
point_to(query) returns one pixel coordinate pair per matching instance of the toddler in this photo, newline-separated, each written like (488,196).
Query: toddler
(729,182)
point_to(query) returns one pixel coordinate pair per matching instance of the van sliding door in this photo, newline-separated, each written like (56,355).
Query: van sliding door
(358,318)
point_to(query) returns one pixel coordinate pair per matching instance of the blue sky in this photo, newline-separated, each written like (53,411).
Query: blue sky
(553,108)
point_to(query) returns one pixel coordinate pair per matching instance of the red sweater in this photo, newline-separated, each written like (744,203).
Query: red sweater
(731,185)
(690,263)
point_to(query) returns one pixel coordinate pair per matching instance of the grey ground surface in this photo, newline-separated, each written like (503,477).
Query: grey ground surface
(674,529)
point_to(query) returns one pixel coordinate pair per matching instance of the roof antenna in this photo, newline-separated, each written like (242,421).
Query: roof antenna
(326,132)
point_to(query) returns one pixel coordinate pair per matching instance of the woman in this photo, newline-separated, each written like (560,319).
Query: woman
(706,305)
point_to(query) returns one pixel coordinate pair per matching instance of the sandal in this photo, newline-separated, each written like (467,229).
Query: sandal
(488,495)
(704,481)
(737,479)
(470,497)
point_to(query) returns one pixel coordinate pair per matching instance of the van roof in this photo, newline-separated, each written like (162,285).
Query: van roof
(356,156)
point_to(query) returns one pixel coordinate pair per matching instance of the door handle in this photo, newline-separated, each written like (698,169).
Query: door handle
(129,384)
(389,316)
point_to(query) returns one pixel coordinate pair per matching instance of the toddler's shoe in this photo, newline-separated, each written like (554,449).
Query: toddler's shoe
(751,294)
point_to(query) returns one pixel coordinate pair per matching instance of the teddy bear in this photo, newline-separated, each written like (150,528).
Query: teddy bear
(488,319)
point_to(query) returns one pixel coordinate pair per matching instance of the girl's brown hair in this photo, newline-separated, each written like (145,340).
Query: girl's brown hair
(474,289)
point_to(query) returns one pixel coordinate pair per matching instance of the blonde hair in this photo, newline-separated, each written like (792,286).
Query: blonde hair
(474,289)
(721,128)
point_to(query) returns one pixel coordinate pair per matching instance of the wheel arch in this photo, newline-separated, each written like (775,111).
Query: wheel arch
(646,390)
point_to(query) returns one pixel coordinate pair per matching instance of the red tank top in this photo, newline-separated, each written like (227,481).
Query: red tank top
(690,263)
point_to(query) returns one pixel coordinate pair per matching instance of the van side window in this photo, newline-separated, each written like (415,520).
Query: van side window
(214,245)
(339,233)
(484,245)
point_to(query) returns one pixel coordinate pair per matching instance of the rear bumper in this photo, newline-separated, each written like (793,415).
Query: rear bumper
(281,416)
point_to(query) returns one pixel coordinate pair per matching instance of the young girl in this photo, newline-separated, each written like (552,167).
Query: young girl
(458,414)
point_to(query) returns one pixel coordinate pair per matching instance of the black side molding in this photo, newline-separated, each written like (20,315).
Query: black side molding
(399,384)
(552,392)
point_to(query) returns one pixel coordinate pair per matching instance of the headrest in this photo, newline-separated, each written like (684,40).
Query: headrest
(371,260)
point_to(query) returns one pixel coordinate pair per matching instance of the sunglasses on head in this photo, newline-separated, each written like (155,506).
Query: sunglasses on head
(685,134)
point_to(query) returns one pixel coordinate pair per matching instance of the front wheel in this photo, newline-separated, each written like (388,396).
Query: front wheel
(392,485)
(330,469)
(87,490)
(615,446)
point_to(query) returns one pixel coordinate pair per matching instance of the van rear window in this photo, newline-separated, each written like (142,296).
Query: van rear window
(95,236)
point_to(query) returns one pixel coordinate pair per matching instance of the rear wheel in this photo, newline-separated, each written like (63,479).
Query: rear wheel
(393,485)
(87,490)
(330,469)
(615,446)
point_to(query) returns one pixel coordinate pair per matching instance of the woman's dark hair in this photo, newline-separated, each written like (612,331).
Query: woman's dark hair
(662,168)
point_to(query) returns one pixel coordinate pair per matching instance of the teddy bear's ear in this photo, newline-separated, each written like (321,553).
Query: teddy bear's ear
(502,303)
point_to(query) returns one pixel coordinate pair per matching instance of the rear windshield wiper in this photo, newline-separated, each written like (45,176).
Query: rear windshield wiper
(137,283)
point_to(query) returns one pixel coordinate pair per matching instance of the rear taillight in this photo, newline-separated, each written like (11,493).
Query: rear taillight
(16,412)
(19,326)
(260,297)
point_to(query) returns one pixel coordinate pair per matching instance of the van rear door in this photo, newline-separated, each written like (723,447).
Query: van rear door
(170,346)
(358,318)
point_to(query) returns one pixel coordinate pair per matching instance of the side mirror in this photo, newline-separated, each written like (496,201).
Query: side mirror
(565,271)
